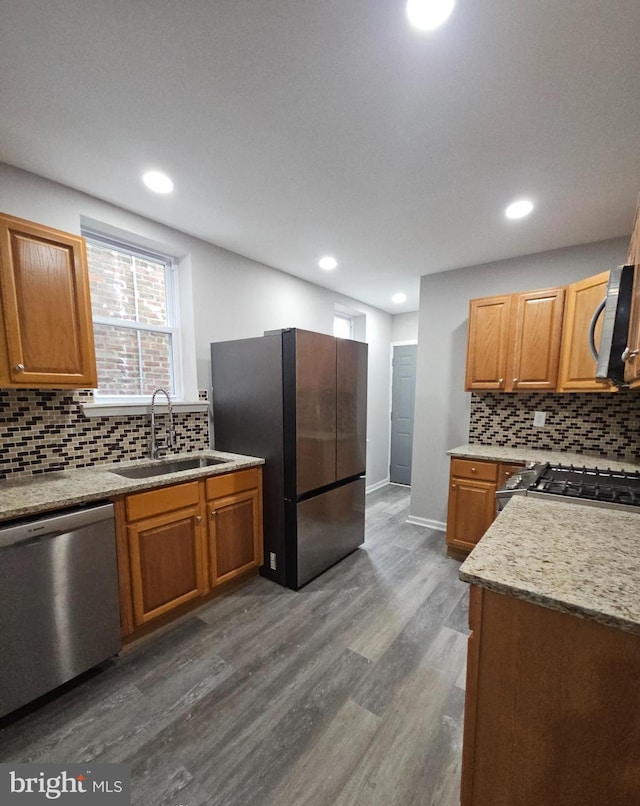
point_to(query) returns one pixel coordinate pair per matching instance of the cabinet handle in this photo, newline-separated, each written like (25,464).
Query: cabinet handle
(19,367)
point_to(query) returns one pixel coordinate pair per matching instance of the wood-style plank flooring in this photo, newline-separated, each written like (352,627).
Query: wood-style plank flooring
(348,692)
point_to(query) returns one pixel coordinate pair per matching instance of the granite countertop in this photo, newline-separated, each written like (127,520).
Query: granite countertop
(572,557)
(495,453)
(31,495)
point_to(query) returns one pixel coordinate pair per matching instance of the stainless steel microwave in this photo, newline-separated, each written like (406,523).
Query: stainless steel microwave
(616,307)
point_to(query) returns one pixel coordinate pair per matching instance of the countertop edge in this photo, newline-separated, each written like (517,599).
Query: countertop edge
(54,491)
(497,453)
(549,603)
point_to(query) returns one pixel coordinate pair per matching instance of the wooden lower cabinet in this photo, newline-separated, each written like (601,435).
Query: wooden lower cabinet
(550,708)
(167,567)
(472,500)
(234,514)
(177,544)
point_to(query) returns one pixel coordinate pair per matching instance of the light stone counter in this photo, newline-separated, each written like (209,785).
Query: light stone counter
(572,557)
(31,495)
(495,453)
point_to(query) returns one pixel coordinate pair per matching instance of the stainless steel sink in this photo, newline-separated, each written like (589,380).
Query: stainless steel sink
(164,466)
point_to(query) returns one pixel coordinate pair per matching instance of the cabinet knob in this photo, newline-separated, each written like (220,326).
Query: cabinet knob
(19,367)
(198,518)
(501,381)
(628,354)
(515,380)
(213,513)
(453,486)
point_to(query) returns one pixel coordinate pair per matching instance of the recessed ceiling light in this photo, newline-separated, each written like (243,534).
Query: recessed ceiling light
(327,263)
(399,298)
(158,182)
(519,209)
(428,14)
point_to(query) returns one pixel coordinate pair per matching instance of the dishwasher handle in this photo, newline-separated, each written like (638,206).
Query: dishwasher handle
(54,524)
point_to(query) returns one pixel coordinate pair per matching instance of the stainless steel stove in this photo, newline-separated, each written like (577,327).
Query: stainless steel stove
(617,489)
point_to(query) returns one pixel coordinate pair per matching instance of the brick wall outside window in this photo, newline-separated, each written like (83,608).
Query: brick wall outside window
(129,287)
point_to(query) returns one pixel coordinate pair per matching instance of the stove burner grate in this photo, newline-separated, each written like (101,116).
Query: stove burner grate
(608,486)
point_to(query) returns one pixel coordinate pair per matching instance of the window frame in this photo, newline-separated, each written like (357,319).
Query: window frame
(173,315)
(346,318)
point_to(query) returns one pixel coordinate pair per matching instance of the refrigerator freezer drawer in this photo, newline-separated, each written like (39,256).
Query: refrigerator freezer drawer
(329,526)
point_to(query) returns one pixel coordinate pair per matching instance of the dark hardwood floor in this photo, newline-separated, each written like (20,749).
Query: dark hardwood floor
(348,692)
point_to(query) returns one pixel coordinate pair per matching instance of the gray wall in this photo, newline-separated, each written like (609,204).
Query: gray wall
(224,296)
(442,405)
(404,327)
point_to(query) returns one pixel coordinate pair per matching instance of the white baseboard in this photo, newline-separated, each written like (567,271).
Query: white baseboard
(439,526)
(378,485)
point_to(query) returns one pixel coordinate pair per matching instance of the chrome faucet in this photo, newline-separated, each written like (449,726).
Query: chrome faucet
(169,442)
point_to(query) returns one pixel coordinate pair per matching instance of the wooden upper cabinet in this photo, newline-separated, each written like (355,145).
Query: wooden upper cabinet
(577,365)
(514,341)
(537,318)
(632,367)
(488,342)
(46,338)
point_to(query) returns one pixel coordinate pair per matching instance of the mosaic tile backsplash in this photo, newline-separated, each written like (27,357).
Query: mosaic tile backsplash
(594,424)
(46,430)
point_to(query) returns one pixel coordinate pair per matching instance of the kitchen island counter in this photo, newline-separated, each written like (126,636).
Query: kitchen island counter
(571,557)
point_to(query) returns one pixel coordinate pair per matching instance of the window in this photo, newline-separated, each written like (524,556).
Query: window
(134,301)
(343,326)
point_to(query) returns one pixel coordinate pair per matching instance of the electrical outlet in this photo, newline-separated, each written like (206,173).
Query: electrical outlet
(540,418)
(272,561)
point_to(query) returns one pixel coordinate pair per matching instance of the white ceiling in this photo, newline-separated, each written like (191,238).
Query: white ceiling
(297,128)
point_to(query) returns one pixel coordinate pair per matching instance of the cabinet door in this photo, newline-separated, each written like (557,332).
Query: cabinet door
(47,330)
(167,562)
(577,365)
(487,342)
(536,347)
(471,511)
(235,535)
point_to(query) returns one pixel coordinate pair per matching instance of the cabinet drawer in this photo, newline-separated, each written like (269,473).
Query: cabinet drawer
(229,483)
(164,499)
(468,469)
(505,472)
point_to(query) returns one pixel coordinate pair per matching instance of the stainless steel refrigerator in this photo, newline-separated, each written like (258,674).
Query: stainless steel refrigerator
(299,399)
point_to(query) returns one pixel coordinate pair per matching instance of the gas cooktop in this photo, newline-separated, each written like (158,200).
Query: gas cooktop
(614,488)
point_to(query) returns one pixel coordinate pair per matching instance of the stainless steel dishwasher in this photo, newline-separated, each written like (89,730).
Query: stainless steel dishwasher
(59,606)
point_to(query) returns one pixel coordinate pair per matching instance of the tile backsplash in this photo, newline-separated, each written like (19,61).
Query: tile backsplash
(597,424)
(46,430)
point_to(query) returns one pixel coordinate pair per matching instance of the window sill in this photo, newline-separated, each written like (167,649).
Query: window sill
(116,409)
